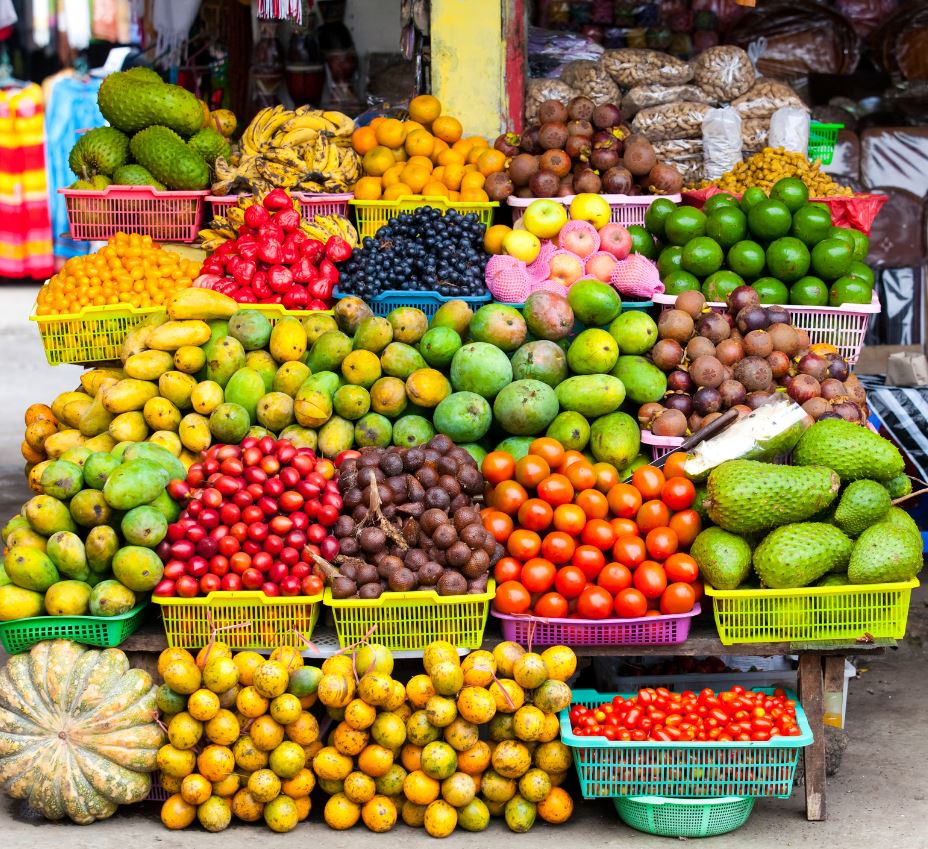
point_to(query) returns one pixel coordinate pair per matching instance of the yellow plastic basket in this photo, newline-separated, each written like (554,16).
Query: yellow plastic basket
(410,621)
(264,623)
(373,214)
(812,614)
(275,312)
(92,335)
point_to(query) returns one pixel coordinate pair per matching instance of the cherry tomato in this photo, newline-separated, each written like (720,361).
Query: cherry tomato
(531,470)
(556,490)
(614,577)
(661,543)
(687,525)
(678,493)
(558,547)
(571,457)
(698,589)
(538,575)
(673,465)
(550,450)
(498,524)
(593,503)
(629,604)
(650,579)
(551,606)
(507,569)
(624,528)
(681,567)
(653,514)
(523,544)
(606,476)
(512,597)
(594,603)
(569,581)
(624,501)
(535,514)
(629,551)
(648,481)
(509,496)
(678,598)
(598,532)
(498,466)
(569,518)
(581,475)
(590,559)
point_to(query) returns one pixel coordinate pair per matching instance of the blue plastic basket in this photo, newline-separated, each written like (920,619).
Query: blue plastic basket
(683,770)
(428,302)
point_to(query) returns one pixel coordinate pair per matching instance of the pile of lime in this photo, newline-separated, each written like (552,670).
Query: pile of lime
(783,246)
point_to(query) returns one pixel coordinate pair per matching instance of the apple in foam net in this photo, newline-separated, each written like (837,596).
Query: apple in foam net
(566,269)
(578,240)
(600,265)
(615,239)
(544,218)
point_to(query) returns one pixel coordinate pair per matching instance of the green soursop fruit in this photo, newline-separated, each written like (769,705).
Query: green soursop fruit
(744,496)
(798,555)
(898,487)
(210,145)
(854,452)
(724,559)
(99,151)
(135,175)
(147,75)
(131,103)
(862,504)
(888,552)
(169,160)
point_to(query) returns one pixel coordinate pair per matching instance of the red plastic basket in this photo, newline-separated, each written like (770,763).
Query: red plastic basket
(165,216)
(645,631)
(626,209)
(310,205)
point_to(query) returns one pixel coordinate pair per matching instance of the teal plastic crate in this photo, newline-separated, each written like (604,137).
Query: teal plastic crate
(683,770)
(822,141)
(428,302)
(665,817)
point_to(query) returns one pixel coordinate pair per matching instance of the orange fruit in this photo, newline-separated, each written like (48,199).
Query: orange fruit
(392,175)
(474,154)
(478,141)
(368,188)
(415,177)
(419,143)
(177,813)
(390,133)
(397,190)
(399,154)
(364,139)
(453,176)
(462,146)
(474,196)
(472,180)
(376,122)
(435,189)
(422,161)
(491,161)
(438,174)
(451,157)
(439,146)
(377,160)
(413,125)
(454,195)
(424,108)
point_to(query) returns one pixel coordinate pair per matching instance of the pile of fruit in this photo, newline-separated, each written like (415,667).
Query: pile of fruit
(86,545)
(582,544)
(128,270)
(425,155)
(160,135)
(412,524)
(253,516)
(305,150)
(741,359)
(772,164)
(782,245)
(583,148)
(240,737)
(275,256)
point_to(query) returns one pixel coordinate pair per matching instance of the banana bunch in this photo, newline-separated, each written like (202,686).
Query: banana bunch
(305,150)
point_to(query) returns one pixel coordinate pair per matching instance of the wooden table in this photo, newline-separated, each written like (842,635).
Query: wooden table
(821,671)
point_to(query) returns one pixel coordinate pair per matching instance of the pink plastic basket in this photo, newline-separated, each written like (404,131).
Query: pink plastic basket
(645,631)
(157,793)
(165,216)
(660,445)
(626,209)
(311,205)
(844,327)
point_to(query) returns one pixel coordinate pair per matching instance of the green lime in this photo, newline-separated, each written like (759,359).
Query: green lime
(769,219)
(642,241)
(727,226)
(771,291)
(683,224)
(860,244)
(849,290)
(863,271)
(788,259)
(719,201)
(752,197)
(809,292)
(791,191)
(657,214)
(680,281)
(670,259)
(717,287)
(746,258)
(702,256)
(831,258)
(811,224)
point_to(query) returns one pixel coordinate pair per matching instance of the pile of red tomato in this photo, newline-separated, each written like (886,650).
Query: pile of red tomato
(583,544)
(736,715)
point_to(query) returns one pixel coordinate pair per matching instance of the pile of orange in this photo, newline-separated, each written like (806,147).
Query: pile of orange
(426,155)
(128,270)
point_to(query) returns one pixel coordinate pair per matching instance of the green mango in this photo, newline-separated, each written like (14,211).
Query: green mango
(101,546)
(67,552)
(30,569)
(135,482)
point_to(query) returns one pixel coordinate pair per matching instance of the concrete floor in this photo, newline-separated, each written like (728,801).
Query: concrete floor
(879,797)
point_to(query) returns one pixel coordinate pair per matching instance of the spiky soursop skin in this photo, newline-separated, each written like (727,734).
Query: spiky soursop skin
(132,103)
(99,151)
(146,75)
(862,504)
(887,552)
(210,145)
(136,175)
(854,452)
(798,555)
(169,159)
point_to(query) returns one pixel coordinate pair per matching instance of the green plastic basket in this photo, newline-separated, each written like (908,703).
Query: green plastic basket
(21,635)
(684,817)
(609,768)
(822,141)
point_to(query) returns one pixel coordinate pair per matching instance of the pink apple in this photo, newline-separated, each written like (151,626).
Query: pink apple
(600,265)
(580,240)
(615,239)
(565,268)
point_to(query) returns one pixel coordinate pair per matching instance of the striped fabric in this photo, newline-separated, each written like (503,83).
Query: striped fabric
(903,412)
(25,230)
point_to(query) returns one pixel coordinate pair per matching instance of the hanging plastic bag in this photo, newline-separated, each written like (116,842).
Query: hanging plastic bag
(721,141)
(789,129)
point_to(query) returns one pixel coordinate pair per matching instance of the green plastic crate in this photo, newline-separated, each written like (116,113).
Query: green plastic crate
(684,817)
(21,635)
(608,769)
(822,141)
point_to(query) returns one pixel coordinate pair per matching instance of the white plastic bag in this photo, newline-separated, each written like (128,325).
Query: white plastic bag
(789,129)
(721,140)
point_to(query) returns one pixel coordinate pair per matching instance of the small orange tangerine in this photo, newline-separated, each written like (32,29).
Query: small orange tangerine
(392,175)
(390,133)
(364,139)
(493,239)
(491,161)
(424,108)
(368,188)
(422,161)
(377,160)
(435,189)
(472,180)
(419,143)
(474,196)
(451,157)
(453,176)
(397,190)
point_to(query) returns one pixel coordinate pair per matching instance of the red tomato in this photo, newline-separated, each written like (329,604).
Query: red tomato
(590,559)
(535,514)
(498,524)
(569,581)
(512,597)
(558,547)
(598,532)
(570,519)
(630,604)
(698,589)
(673,465)
(687,525)
(538,575)
(498,466)
(551,606)
(606,476)
(661,543)
(523,545)
(509,496)
(678,598)
(678,493)
(556,490)
(653,514)
(648,481)
(624,528)
(681,567)
(614,577)
(581,475)
(624,500)
(594,603)
(593,503)
(550,450)
(650,579)
(629,551)
(507,569)
(531,470)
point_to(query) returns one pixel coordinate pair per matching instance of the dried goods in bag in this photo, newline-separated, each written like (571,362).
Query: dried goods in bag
(538,91)
(592,80)
(724,72)
(630,67)
(643,96)
(681,120)
(764,98)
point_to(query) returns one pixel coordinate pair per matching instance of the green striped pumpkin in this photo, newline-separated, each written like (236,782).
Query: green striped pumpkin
(77,731)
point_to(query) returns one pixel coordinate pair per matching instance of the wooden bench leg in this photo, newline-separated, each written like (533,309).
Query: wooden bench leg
(811,692)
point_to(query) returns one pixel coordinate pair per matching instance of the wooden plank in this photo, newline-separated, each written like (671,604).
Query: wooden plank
(812,696)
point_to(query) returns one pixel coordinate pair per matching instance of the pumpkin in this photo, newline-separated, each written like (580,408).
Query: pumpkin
(78,735)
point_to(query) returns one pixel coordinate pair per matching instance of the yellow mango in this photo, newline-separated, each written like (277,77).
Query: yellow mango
(288,340)
(167,439)
(128,395)
(101,442)
(176,334)
(149,365)
(161,414)
(194,432)
(129,427)
(62,401)
(177,387)
(206,396)
(92,380)
(60,442)
(189,359)
(203,304)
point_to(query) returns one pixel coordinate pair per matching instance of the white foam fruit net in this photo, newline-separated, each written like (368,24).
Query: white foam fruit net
(637,276)
(507,279)
(540,267)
